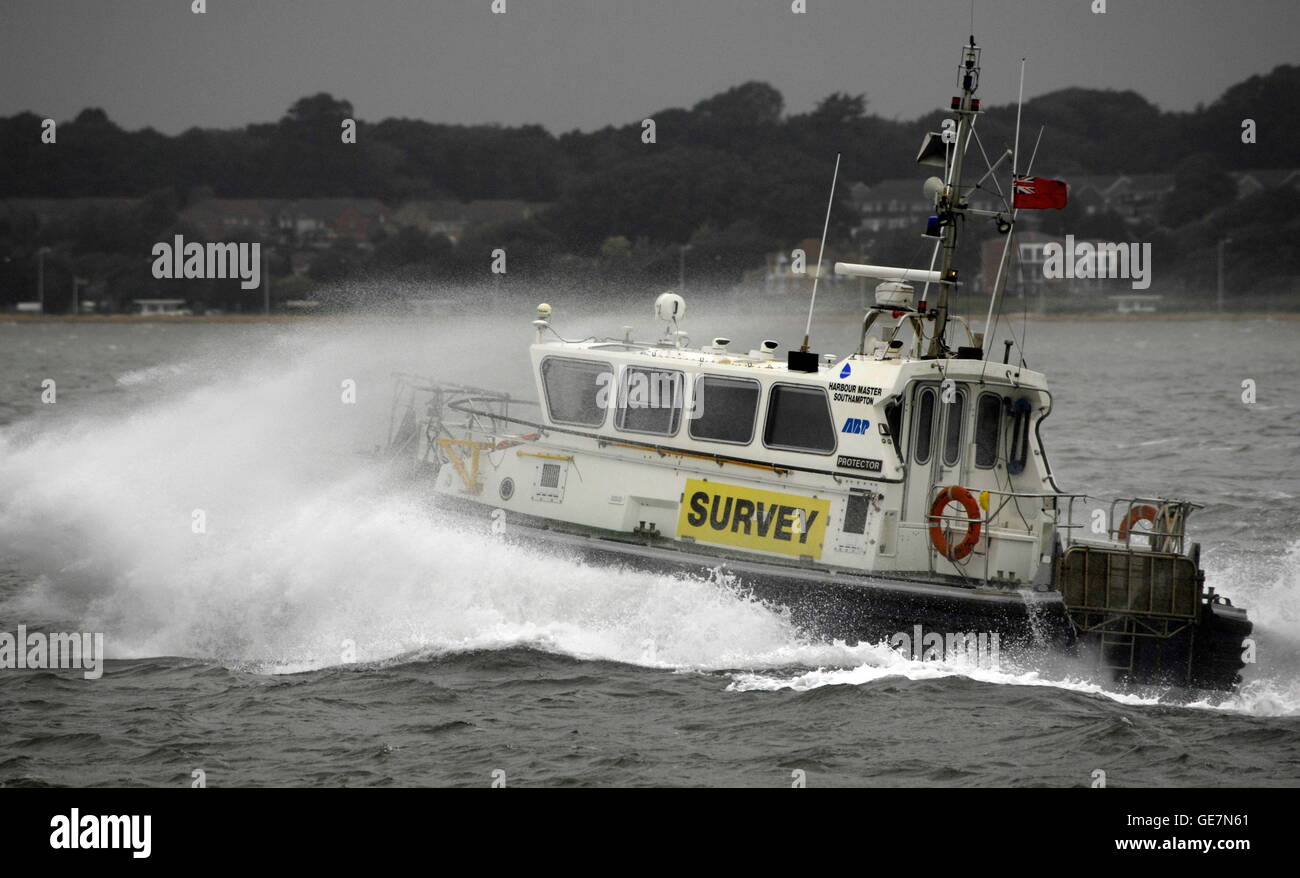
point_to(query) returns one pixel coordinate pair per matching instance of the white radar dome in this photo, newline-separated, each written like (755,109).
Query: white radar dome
(670,307)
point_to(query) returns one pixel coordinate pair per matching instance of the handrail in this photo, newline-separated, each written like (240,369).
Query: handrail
(1172,513)
(667,450)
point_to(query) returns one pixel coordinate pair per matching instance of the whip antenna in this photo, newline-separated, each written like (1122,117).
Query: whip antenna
(999,280)
(1020,104)
(820,252)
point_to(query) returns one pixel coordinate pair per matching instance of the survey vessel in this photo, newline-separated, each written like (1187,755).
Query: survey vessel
(902,488)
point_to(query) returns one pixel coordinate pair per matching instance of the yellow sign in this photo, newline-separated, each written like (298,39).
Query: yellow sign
(715,512)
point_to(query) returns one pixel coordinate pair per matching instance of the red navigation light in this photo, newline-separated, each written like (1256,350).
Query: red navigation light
(956,103)
(975,104)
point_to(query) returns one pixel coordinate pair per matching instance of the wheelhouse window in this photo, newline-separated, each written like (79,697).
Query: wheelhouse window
(988,426)
(799,419)
(725,409)
(924,425)
(1018,451)
(954,427)
(650,401)
(577,391)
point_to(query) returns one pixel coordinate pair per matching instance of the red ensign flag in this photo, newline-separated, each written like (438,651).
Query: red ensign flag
(1039,193)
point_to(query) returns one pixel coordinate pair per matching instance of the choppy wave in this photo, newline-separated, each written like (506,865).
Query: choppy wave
(310,557)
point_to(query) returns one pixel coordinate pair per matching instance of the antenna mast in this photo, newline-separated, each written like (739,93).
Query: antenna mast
(999,280)
(952,204)
(820,253)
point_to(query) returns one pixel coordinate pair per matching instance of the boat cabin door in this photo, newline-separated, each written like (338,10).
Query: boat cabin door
(936,434)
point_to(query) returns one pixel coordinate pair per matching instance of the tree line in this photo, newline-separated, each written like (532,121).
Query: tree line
(734,177)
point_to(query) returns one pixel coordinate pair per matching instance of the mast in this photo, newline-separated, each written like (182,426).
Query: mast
(952,205)
(821,253)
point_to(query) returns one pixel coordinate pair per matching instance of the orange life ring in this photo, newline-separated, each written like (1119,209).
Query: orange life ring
(955,494)
(1137,513)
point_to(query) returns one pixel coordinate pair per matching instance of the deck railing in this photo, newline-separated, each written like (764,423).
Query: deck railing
(1147,524)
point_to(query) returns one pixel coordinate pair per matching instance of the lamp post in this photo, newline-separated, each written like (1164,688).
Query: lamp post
(77,283)
(40,275)
(1222,243)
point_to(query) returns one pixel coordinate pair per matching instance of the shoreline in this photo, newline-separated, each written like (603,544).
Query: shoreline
(837,316)
(157,318)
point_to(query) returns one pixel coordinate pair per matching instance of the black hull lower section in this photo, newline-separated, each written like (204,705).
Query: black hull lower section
(848,607)
(1217,655)
(876,610)
(1204,655)
(1035,628)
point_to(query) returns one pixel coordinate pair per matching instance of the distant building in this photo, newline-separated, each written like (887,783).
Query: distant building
(446,218)
(1136,303)
(1091,193)
(1139,197)
(162,307)
(311,222)
(493,211)
(52,210)
(219,219)
(778,277)
(452,218)
(901,204)
(1250,182)
(1025,272)
(318,221)
(1135,197)
(307,224)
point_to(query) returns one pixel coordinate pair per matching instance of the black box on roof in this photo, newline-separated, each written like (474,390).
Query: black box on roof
(801,361)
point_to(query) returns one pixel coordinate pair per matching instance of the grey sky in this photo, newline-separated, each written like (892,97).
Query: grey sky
(586,63)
